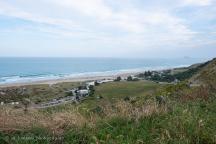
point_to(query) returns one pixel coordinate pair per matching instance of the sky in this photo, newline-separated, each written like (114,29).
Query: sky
(108,28)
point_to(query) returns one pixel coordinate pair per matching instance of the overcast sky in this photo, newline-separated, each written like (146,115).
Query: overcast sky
(108,28)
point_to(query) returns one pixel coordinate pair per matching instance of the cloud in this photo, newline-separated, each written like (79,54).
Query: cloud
(129,19)
(95,8)
(9,10)
(197,2)
(114,24)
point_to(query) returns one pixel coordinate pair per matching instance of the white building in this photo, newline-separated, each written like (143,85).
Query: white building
(104,81)
(83,92)
(90,83)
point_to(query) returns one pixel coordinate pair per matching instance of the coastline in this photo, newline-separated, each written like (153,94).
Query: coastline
(86,77)
(69,79)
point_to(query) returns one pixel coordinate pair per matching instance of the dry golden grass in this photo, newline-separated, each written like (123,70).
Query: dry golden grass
(16,119)
(57,122)
(202,93)
(126,109)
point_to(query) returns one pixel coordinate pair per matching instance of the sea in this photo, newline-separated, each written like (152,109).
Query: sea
(18,70)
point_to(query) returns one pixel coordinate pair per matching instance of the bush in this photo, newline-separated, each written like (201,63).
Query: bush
(96,83)
(127,98)
(129,78)
(92,90)
(118,78)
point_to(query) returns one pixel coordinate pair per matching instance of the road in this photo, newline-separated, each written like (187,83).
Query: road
(56,102)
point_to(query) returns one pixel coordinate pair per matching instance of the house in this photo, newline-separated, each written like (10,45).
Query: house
(90,83)
(79,93)
(94,83)
(134,77)
(83,92)
(105,81)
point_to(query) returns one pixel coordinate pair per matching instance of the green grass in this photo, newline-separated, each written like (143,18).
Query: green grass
(188,123)
(34,136)
(185,122)
(115,91)
(123,89)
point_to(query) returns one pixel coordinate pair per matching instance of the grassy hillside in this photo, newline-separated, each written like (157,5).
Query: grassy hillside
(172,75)
(186,73)
(207,75)
(124,112)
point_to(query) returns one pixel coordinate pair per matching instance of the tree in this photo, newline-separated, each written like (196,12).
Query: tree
(129,78)
(147,73)
(96,83)
(92,90)
(118,78)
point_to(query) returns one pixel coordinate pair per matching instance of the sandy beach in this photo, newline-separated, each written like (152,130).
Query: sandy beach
(69,79)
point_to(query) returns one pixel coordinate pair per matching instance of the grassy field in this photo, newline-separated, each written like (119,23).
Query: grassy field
(110,93)
(123,89)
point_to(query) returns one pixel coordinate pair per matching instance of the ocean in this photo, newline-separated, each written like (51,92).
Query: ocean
(16,70)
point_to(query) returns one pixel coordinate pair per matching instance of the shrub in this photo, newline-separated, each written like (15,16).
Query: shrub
(129,78)
(127,98)
(118,78)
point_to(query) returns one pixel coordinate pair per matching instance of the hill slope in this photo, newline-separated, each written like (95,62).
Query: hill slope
(206,75)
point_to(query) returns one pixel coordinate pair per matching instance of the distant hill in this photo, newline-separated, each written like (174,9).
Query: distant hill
(206,74)
(187,73)
(193,73)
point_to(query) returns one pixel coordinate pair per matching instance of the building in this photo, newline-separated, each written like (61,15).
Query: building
(104,81)
(83,93)
(78,94)
(94,83)
(90,83)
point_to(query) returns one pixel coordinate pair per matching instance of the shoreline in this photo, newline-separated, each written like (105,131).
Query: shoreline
(70,79)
